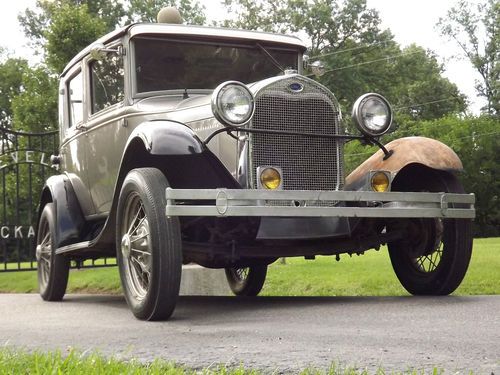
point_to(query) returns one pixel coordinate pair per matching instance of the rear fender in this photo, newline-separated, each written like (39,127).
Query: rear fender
(406,151)
(70,222)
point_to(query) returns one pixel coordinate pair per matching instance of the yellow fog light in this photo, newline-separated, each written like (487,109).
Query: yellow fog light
(380,182)
(270,178)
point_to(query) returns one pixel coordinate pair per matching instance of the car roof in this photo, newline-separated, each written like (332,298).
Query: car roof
(189,30)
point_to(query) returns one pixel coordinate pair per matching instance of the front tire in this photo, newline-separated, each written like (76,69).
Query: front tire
(248,281)
(434,257)
(52,269)
(149,247)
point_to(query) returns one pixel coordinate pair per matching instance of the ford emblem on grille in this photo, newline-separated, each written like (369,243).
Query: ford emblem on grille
(296,87)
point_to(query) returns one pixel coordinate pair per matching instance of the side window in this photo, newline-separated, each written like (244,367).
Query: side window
(107,82)
(75,99)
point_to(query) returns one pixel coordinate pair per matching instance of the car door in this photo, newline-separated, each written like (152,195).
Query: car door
(72,116)
(106,131)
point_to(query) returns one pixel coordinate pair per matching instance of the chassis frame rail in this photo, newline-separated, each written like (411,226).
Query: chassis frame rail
(296,203)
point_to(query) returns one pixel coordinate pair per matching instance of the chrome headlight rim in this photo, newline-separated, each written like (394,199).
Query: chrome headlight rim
(357,114)
(218,105)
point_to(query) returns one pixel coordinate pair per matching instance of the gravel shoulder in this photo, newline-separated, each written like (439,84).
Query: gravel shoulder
(274,334)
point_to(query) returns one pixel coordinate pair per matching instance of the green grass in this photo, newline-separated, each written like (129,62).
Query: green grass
(98,280)
(372,275)
(74,362)
(367,275)
(20,362)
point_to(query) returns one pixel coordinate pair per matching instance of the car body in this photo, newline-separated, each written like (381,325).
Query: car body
(184,144)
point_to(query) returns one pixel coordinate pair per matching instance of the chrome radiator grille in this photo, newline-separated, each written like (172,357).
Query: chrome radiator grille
(307,163)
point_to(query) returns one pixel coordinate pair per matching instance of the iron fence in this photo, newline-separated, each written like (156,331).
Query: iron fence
(24,166)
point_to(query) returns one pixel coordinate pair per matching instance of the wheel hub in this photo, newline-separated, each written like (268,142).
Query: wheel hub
(38,252)
(126,246)
(424,237)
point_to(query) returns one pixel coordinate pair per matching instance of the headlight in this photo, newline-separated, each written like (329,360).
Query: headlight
(232,103)
(372,114)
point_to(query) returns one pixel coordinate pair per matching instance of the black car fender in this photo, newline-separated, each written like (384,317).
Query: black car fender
(174,149)
(163,137)
(178,152)
(69,221)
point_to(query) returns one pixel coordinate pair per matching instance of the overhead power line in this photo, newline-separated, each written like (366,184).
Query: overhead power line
(371,62)
(427,103)
(349,49)
(478,135)
(464,137)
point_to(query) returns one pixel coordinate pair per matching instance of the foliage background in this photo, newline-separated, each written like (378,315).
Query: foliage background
(359,57)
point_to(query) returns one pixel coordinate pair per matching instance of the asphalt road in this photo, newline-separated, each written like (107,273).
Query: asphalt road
(280,335)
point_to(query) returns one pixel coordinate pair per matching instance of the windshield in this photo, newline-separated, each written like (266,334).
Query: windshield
(172,64)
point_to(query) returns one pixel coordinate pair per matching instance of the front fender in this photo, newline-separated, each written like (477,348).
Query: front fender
(411,150)
(177,152)
(162,137)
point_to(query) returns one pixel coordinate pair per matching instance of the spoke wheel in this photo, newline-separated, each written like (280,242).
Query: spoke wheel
(434,257)
(149,250)
(246,281)
(432,253)
(136,247)
(52,269)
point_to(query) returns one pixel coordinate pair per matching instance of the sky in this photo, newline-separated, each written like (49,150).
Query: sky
(413,21)
(410,21)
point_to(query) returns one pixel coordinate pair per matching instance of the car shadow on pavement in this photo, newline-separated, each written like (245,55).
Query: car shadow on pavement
(203,308)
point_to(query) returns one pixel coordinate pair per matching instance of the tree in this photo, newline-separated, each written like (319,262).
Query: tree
(477,143)
(359,57)
(340,33)
(72,28)
(36,22)
(329,24)
(419,90)
(60,28)
(410,79)
(11,84)
(145,11)
(477,31)
(35,108)
(28,97)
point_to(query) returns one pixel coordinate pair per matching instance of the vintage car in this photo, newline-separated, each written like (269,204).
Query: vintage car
(187,144)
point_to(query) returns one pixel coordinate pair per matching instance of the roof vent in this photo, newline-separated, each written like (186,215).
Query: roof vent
(169,15)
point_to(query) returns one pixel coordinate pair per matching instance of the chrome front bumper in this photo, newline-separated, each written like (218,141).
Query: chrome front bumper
(297,203)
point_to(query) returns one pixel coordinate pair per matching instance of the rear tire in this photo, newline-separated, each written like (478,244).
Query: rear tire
(53,269)
(434,257)
(247,281)
(149,246)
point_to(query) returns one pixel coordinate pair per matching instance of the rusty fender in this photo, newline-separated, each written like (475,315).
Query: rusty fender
(406,151)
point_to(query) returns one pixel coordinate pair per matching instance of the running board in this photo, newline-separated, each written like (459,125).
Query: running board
(75,247)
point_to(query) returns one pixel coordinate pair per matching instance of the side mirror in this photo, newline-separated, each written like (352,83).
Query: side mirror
(98,51)
(317,67)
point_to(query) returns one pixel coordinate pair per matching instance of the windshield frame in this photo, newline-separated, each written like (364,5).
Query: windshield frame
(234,43)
